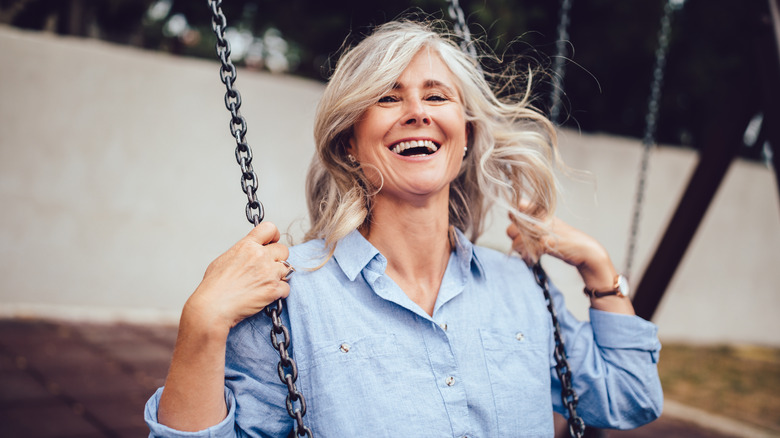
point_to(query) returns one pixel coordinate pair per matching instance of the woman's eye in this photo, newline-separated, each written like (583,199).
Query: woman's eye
(387,99)
(436,98)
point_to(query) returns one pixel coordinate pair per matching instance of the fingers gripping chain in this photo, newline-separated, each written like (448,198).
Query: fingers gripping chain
(290,270)
(288,370)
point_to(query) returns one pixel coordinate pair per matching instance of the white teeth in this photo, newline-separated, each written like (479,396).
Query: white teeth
(404,145)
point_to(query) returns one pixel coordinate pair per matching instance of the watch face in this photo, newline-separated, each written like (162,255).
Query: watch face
(622,286)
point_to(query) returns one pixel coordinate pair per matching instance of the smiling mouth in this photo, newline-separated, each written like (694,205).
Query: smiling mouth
(414,148)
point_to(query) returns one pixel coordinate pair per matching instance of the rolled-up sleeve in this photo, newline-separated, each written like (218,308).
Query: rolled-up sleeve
(614,331)
(613,360)
(225,429)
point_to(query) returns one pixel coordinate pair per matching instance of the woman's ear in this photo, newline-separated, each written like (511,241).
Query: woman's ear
(351,146)
(469,138)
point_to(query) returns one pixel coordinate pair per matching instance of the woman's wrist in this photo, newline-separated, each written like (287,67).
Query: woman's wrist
(597,271)
(614,302)
(599,275)
(201,320)
(601,280)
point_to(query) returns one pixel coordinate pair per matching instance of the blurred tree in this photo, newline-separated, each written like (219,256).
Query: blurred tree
(9,9)
(114,20)
(611,52)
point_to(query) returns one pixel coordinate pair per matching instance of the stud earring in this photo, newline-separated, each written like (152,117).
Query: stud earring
(465,150)
(351,158)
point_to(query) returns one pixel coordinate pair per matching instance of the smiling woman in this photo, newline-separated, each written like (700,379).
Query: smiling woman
(442,338)
(423,108)
(504,136)
(415,136)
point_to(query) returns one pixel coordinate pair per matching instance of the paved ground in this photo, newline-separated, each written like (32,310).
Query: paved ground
(70,380)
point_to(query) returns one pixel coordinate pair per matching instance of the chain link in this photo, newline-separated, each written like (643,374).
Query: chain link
(286,368)
(651,119)
(568,395)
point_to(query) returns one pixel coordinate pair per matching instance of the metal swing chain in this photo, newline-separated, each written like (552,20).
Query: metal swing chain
(568,395)
(462,29)
(651,119)
(286,368)
(559,66)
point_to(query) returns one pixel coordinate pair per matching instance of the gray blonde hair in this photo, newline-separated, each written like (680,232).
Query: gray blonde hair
(511,146)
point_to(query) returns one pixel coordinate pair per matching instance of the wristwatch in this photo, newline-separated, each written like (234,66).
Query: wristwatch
(620,289)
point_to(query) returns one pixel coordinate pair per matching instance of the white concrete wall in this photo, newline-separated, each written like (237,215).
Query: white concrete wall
(118,186)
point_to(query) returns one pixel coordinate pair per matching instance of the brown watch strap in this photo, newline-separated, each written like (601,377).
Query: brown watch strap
(620,289)
(595,294)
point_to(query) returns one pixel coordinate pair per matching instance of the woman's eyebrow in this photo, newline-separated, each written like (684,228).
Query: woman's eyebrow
(429,83)
(433,83)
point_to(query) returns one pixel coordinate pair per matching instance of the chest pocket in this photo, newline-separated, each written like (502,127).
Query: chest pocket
(518,366)
(349,381)
(353,350)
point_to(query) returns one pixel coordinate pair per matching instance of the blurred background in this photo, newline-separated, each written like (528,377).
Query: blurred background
(611,46)
(118,183)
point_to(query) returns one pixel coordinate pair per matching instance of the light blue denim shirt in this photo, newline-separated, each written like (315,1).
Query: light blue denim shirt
(373,363)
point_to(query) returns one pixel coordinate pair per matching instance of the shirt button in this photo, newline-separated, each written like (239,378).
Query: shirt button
(344,348)
(443,326)
(519,336)
(449,381)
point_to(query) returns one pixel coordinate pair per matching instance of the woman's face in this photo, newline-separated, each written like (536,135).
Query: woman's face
(414,135)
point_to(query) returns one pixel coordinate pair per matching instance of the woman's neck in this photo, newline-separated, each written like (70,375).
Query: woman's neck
(415,240)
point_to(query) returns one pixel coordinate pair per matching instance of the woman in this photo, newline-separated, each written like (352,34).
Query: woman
(401,325)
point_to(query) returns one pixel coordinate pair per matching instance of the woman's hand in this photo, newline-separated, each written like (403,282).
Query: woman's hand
(578,249)
(238,284)
(563,242)
(243,280)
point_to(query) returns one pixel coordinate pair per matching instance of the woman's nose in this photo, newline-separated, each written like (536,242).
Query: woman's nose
(416,114)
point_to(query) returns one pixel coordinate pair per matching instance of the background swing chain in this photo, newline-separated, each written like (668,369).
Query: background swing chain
(651,119)
(462,30)
(568,395)
(559,66)
(287,369)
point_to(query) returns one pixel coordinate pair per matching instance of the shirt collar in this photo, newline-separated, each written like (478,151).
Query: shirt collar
(354,252)
(465,253)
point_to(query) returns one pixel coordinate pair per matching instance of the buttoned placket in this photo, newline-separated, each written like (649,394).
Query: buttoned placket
(441,356)
(444,367)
